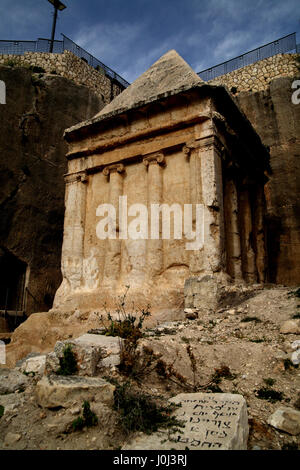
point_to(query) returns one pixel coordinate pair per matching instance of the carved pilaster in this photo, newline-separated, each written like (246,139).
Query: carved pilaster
(154,164)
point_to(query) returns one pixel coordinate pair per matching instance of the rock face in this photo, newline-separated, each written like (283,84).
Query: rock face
(286,419)
(277,121)
(54,391)
(32,187)
(212,422)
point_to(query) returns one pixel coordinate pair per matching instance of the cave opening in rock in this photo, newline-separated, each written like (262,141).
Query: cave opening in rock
(12,282)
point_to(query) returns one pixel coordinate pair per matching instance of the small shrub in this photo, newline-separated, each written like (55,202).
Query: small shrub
(250,319)
(1,411)
(37,69)
(88,419)
(127,325)
(287,363)
(139,412)
(257,340)
(222,372)
(11,63)
(269,382)
(269,394)
(295,293)
(68,363)
(290,446)
(185,339)
(296,316)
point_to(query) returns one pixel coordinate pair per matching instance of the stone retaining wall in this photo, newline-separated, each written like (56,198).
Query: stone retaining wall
(257,76)
(69,66)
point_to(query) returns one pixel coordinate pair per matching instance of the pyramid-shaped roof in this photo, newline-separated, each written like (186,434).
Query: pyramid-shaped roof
(168,76)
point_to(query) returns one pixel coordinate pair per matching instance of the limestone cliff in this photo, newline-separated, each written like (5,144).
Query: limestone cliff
(277,121)
(32,165)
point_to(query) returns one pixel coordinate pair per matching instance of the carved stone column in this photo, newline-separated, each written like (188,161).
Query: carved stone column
(73,241)
(154,164)
(193,153)
(246,231)
(212,196)
(233,241)
(113,256)
(259,233)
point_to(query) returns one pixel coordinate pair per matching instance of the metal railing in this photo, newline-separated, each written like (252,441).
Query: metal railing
(70,45)
(280,46)
(43,45)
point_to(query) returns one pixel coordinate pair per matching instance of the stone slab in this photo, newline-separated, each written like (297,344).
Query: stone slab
(57,391)
(216,421)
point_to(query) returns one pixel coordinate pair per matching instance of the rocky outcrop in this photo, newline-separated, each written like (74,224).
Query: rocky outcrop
(33,162)
(277,121)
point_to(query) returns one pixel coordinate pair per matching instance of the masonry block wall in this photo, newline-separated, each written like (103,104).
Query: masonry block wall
(258,76)
(69,66)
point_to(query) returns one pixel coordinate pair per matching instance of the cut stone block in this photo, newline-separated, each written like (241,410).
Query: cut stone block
(202,293)
(90,350)
(35,364)
(286,419)
(56,391)
(216,421)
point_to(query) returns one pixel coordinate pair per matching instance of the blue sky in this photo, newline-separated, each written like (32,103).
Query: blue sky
(129,36)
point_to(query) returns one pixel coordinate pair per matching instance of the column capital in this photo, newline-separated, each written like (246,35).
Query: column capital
(80,176)
(158,158)
(118,167)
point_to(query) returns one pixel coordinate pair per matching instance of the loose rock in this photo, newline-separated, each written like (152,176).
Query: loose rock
(286,419)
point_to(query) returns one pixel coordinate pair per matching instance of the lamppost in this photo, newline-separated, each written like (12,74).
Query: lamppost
(57,6)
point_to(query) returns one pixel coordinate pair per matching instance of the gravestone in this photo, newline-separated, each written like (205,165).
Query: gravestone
(216,421)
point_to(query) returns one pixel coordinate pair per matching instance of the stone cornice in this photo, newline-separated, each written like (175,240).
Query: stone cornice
(150,132)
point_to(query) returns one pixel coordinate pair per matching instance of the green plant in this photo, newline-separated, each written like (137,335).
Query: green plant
(258,340)
(88,419)
(269,382)
(185,339)
(290,446)
(140,412)
(269,394)
(287,363)
(223,372)
(68,363)
(126,325)
(11,62)
(295,293)
(296,316)
(37,69)
(1,411)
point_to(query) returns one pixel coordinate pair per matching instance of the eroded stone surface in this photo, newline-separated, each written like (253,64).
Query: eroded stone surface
(212,422)
(54,391)
(286,419)
(290,327)
(92,352)
(11,381)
